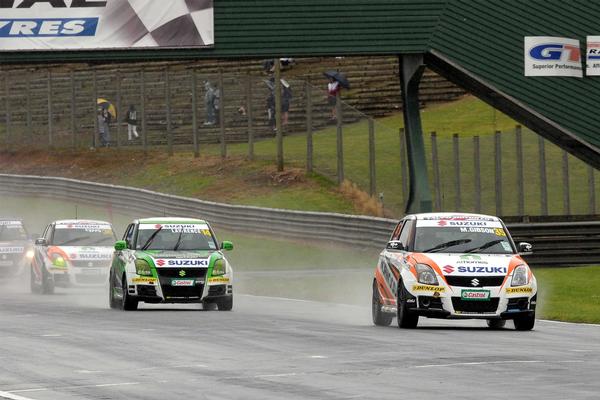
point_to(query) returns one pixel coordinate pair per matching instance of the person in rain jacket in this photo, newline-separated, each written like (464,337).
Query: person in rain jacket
(333,88)
(103,127)
(132,123)
(211,101)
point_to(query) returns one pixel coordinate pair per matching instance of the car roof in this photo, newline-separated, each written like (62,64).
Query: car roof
(171,220)
(81,222)
(457,216)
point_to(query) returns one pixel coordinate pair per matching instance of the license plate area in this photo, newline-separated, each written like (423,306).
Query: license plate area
(183,282)
(475,295)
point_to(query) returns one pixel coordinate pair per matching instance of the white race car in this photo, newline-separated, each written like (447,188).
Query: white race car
(15,247)
(72,253)
(454,266)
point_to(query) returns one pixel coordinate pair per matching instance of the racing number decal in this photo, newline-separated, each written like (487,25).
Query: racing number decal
(390,278)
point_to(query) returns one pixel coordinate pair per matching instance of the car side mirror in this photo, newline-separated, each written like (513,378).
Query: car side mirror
(395,245)
(120,245)
(227,246)
(41,242)
(525,249)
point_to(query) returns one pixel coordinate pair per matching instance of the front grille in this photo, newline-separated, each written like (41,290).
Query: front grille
(467,281)
(91,264)
(518,303)
(190,292)
(146,290)
(470,306)
(85,279)
(177,272)
(217,290)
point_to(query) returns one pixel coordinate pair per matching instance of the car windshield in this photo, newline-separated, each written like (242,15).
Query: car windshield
(12,230)
(462,236)
(175,237)
(83,235)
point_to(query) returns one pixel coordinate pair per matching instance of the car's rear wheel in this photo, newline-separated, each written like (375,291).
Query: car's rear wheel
(225,304)
(128,303)
(406,318)
(496,323)
(112,301)
(379,317)
(525,323)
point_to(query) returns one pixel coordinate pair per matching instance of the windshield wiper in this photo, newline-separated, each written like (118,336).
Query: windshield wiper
(150,239)
(447,244)
(485,245)
(178,241)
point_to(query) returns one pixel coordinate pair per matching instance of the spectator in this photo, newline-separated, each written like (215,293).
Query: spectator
(286,98)
(212,103)
(271,109)
(132,123)
(333,88)
(103,127)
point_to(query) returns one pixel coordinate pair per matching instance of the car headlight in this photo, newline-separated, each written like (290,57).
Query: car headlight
(58,261)
(142,267)
(30,254)
(520,276)
(426,275)
(219,268)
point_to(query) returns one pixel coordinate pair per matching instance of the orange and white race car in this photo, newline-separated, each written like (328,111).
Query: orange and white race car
(445,265)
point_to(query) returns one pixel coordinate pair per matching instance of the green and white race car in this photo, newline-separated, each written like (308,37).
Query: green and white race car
(170,260)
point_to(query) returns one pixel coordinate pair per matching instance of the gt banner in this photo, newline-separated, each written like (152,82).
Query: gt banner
(593,56)
(552,56)
(110,24)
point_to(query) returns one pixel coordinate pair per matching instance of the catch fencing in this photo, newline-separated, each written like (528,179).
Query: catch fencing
(555,243)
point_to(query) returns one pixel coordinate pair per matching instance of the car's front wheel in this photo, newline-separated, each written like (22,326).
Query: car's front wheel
(128,303)
(35,288)
(525,323)
(379,317)
(406,318)
(113,302)
(225,304)
(47,283)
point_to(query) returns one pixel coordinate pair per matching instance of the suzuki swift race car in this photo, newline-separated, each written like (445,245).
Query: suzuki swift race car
(72,253)
(16,250)
(454,266)
(170,260)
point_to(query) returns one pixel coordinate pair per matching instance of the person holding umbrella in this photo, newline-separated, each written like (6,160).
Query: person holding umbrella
(337,81)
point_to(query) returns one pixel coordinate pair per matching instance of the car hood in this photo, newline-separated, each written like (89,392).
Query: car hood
(470,264)
(170,258)
(83,253)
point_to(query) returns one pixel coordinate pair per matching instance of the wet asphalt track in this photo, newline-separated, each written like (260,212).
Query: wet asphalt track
(71,346)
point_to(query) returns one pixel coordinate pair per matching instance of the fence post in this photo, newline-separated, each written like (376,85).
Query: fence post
(372,171)
(278,128)
(168,101)
(195,113)
(95,134)
(143,110)
(339,139)
(50,136)
(436,172)
(566,185)
(456,151)
(118,118)
(498,173)
(403,166)
(543,182)
(592,190)
(73,110)
(520,174)
(477,173)
(222,114)
(7,127)
(309,129)
(29,119)
(249,113)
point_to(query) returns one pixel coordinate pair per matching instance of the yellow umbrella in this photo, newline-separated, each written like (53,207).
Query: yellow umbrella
(109,106)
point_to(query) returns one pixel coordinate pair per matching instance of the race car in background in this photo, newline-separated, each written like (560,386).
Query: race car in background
(72,253)
(454,266)
(170,260)
(16,250)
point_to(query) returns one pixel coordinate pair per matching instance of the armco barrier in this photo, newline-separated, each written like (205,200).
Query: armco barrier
(555,243)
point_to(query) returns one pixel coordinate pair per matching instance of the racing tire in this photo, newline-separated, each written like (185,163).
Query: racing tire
(496,323)
(47,283)
(524,323)
(35,288)
(406,318)
(127,302)
(225,304)
(379,317)
(112,302)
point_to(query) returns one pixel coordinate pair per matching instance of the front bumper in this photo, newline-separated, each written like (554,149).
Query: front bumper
(79,277)
(166,289)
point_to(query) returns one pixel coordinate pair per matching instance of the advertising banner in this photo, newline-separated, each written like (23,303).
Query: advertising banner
(110,24)
(552,56)
(593,56)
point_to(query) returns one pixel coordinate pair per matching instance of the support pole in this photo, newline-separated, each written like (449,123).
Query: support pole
(339,139)
(372,172)
(96,134)
(50,135)
(411,71)
(309,129)
(222,114)
(73,111)
(143,111)
(195,113)
(249,112)
(168,101)
(29,113)
(278,115)
(118,78)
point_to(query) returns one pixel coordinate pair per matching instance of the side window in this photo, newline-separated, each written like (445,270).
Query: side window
(129,235)
(405,234)
(396,234)
(48,233)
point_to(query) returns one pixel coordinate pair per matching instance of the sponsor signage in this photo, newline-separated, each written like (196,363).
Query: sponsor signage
(475,295)
(593,56)
(179,262)
(428,288)
(107,24)
(474,269)
(552,56)
(466,225)
(524,290)
(182,282)
(148,281)
(11,250)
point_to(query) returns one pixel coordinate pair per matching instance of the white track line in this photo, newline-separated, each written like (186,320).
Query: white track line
(10,396)
(465,364)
